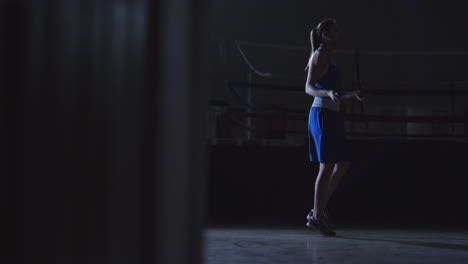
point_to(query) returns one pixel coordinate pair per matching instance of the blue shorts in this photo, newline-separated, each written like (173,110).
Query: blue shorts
(327,137)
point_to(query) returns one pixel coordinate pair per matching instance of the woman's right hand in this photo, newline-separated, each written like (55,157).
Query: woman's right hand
(333,95)
(359,95)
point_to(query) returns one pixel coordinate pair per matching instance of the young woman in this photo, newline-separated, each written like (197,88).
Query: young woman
(327,140)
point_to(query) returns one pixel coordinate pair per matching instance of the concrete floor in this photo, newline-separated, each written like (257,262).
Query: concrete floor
(376,246)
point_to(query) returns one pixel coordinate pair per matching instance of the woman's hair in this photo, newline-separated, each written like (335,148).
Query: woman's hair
(316,35)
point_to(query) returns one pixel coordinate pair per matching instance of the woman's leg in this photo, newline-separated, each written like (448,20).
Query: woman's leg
(339,170)
(321,189)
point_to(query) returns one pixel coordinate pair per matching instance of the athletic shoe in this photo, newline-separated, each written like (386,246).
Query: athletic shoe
(325,219)
(320,226)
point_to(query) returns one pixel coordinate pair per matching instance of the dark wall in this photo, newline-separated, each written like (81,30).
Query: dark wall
(399,25)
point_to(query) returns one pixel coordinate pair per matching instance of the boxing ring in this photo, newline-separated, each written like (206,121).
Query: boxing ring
(427,110)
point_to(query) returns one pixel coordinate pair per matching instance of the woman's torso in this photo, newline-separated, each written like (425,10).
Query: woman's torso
(329,81)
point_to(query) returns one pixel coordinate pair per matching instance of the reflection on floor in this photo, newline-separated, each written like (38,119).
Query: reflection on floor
(269,246)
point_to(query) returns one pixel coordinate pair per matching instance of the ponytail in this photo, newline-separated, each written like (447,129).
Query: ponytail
(316,36)
(315,39)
